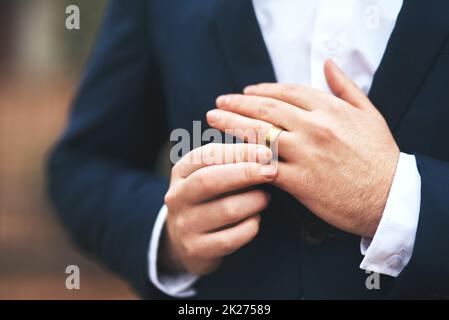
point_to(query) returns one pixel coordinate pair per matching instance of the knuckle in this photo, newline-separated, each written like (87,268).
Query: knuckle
(225,245)
(229,211)
(173,197)
(248,151)
(180,224)
(203,181)
(262,111)
(336,107)
(208,153)
(170,198)
(327,131)
(190,249)
(270,104)
(206,150)
(235,100)
(323,130)
(176,169)
(240,153)
(249,173)
(267,107)
(289,89)
(186,158)
(190,246)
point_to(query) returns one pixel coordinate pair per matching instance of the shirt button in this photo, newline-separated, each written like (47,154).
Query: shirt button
(396,262)
(313,234)
(332,45)
(265,19)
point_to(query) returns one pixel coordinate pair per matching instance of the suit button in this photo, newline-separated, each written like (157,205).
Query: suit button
(313,234)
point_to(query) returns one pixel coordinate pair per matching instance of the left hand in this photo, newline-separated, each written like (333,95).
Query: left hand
(338,154)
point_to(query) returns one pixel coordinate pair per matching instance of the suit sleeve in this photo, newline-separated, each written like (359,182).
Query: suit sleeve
(427,274)
(100,173)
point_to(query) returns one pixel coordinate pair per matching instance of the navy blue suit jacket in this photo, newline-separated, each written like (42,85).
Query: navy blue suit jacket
(158,65)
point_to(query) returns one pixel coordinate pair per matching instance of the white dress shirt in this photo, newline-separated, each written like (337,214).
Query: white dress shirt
(300,35)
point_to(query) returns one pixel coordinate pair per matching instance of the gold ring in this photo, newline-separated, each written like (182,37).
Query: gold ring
(272,135)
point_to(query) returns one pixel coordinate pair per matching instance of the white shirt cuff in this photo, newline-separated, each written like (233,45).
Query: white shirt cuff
(177,286)
(390,250)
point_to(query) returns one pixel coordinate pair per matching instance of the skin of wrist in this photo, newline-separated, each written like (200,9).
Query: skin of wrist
(170,261)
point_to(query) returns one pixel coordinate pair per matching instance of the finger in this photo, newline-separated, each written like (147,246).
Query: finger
(247,129)
(210,182)
(345,88)
(273,111)
(285,177)
(227,241)
(299,96)
(228,210)
(214,153)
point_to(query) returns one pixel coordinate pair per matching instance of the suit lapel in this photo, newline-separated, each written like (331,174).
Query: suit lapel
(420,32)
(242,43)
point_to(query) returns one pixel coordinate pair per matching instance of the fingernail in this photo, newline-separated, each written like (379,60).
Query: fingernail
(223,100)
(248,89)
(334,65)
(268,171)
(264,155)
(213,115)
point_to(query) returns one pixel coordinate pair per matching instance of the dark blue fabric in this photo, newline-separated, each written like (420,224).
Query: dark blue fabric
(159,65)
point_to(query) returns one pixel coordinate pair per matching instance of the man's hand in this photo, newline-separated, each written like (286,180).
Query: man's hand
(207,218)
(338,154)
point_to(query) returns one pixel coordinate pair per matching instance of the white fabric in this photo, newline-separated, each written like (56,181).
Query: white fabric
(391,248)
(180,286)
(300,35)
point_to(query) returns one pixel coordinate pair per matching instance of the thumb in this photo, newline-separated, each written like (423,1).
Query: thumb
(345,88)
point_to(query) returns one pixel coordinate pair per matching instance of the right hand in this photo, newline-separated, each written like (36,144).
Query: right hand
(207,219)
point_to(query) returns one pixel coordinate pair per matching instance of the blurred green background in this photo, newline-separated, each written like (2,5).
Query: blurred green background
(40,66)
